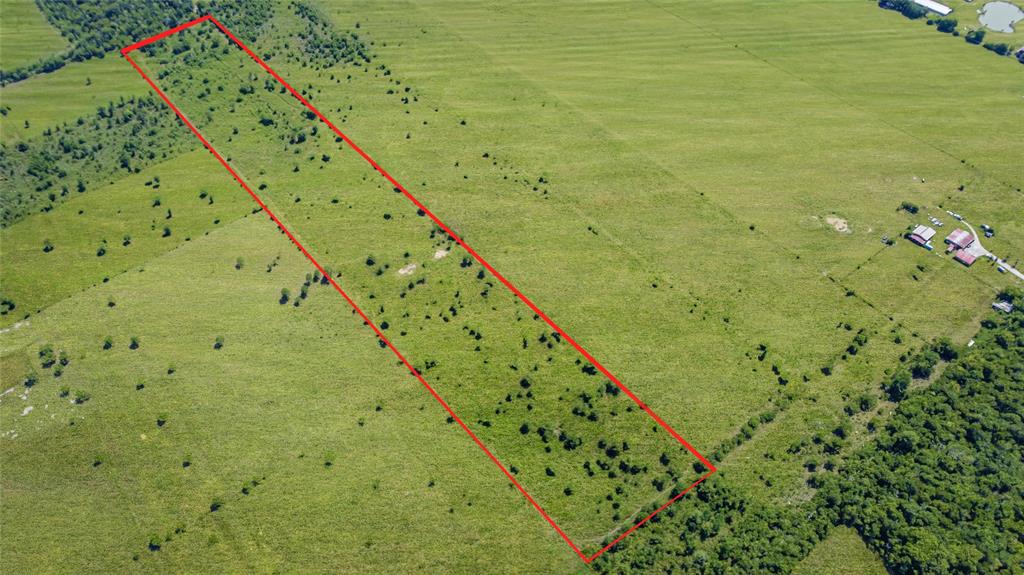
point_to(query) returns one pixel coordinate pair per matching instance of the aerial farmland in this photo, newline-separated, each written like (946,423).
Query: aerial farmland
(323,286)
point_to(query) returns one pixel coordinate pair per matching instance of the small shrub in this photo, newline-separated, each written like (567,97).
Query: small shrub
(945,348)
(219,342)
(946,25)
(867,402)
(896,387)
(975,37)
(47,357)
(906,7)
(1001,48)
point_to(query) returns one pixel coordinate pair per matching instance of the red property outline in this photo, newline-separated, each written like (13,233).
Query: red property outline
(380,335)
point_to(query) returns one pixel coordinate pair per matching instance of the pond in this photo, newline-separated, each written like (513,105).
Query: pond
(1001,16)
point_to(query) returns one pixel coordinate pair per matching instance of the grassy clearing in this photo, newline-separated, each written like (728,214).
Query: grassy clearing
(843,552)
(74,91)
(292,412)
(108,231)
(587,453)
(25,35)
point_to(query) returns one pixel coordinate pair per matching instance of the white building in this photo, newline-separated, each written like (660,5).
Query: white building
(1003,306)
(924,232)
(940,9)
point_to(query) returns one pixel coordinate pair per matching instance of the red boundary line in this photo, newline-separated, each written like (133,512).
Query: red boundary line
(380,335)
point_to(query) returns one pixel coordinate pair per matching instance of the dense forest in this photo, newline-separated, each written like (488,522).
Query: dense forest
(937,490)
(940,490)
(95,28)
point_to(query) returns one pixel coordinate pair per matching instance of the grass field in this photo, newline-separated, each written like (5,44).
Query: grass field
(842,553)
(26,36)
(697,194)
(124,221)
(75,91)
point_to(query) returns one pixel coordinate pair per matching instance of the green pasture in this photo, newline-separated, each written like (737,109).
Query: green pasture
(303,385)
(843,553)
(112,230)
(76,90)
(25,35)
(696,192)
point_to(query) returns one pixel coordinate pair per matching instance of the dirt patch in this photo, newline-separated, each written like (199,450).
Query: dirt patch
(440,254)
(407,269)
(21,323)
(838,224)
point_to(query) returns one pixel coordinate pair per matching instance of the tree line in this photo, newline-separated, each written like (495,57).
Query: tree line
(936,490)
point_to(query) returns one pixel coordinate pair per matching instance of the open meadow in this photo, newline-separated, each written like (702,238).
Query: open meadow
(710,198)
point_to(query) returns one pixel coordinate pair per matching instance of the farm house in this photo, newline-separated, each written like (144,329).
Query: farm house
(959,239)
(964,258)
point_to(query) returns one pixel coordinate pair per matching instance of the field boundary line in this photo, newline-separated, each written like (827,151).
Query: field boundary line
(709,467)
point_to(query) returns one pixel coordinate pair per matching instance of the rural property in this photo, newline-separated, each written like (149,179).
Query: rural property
(330,286)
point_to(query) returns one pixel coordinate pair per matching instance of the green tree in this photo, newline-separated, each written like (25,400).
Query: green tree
(946,25)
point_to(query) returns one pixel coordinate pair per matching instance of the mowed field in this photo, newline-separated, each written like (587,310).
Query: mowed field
(77,90)
(25,35)
(660,178)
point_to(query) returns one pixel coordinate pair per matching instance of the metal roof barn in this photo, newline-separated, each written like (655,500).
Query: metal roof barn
(940,9)
(960,238)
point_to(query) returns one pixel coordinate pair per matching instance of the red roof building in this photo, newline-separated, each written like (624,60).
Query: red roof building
(960,239)
(964,258)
